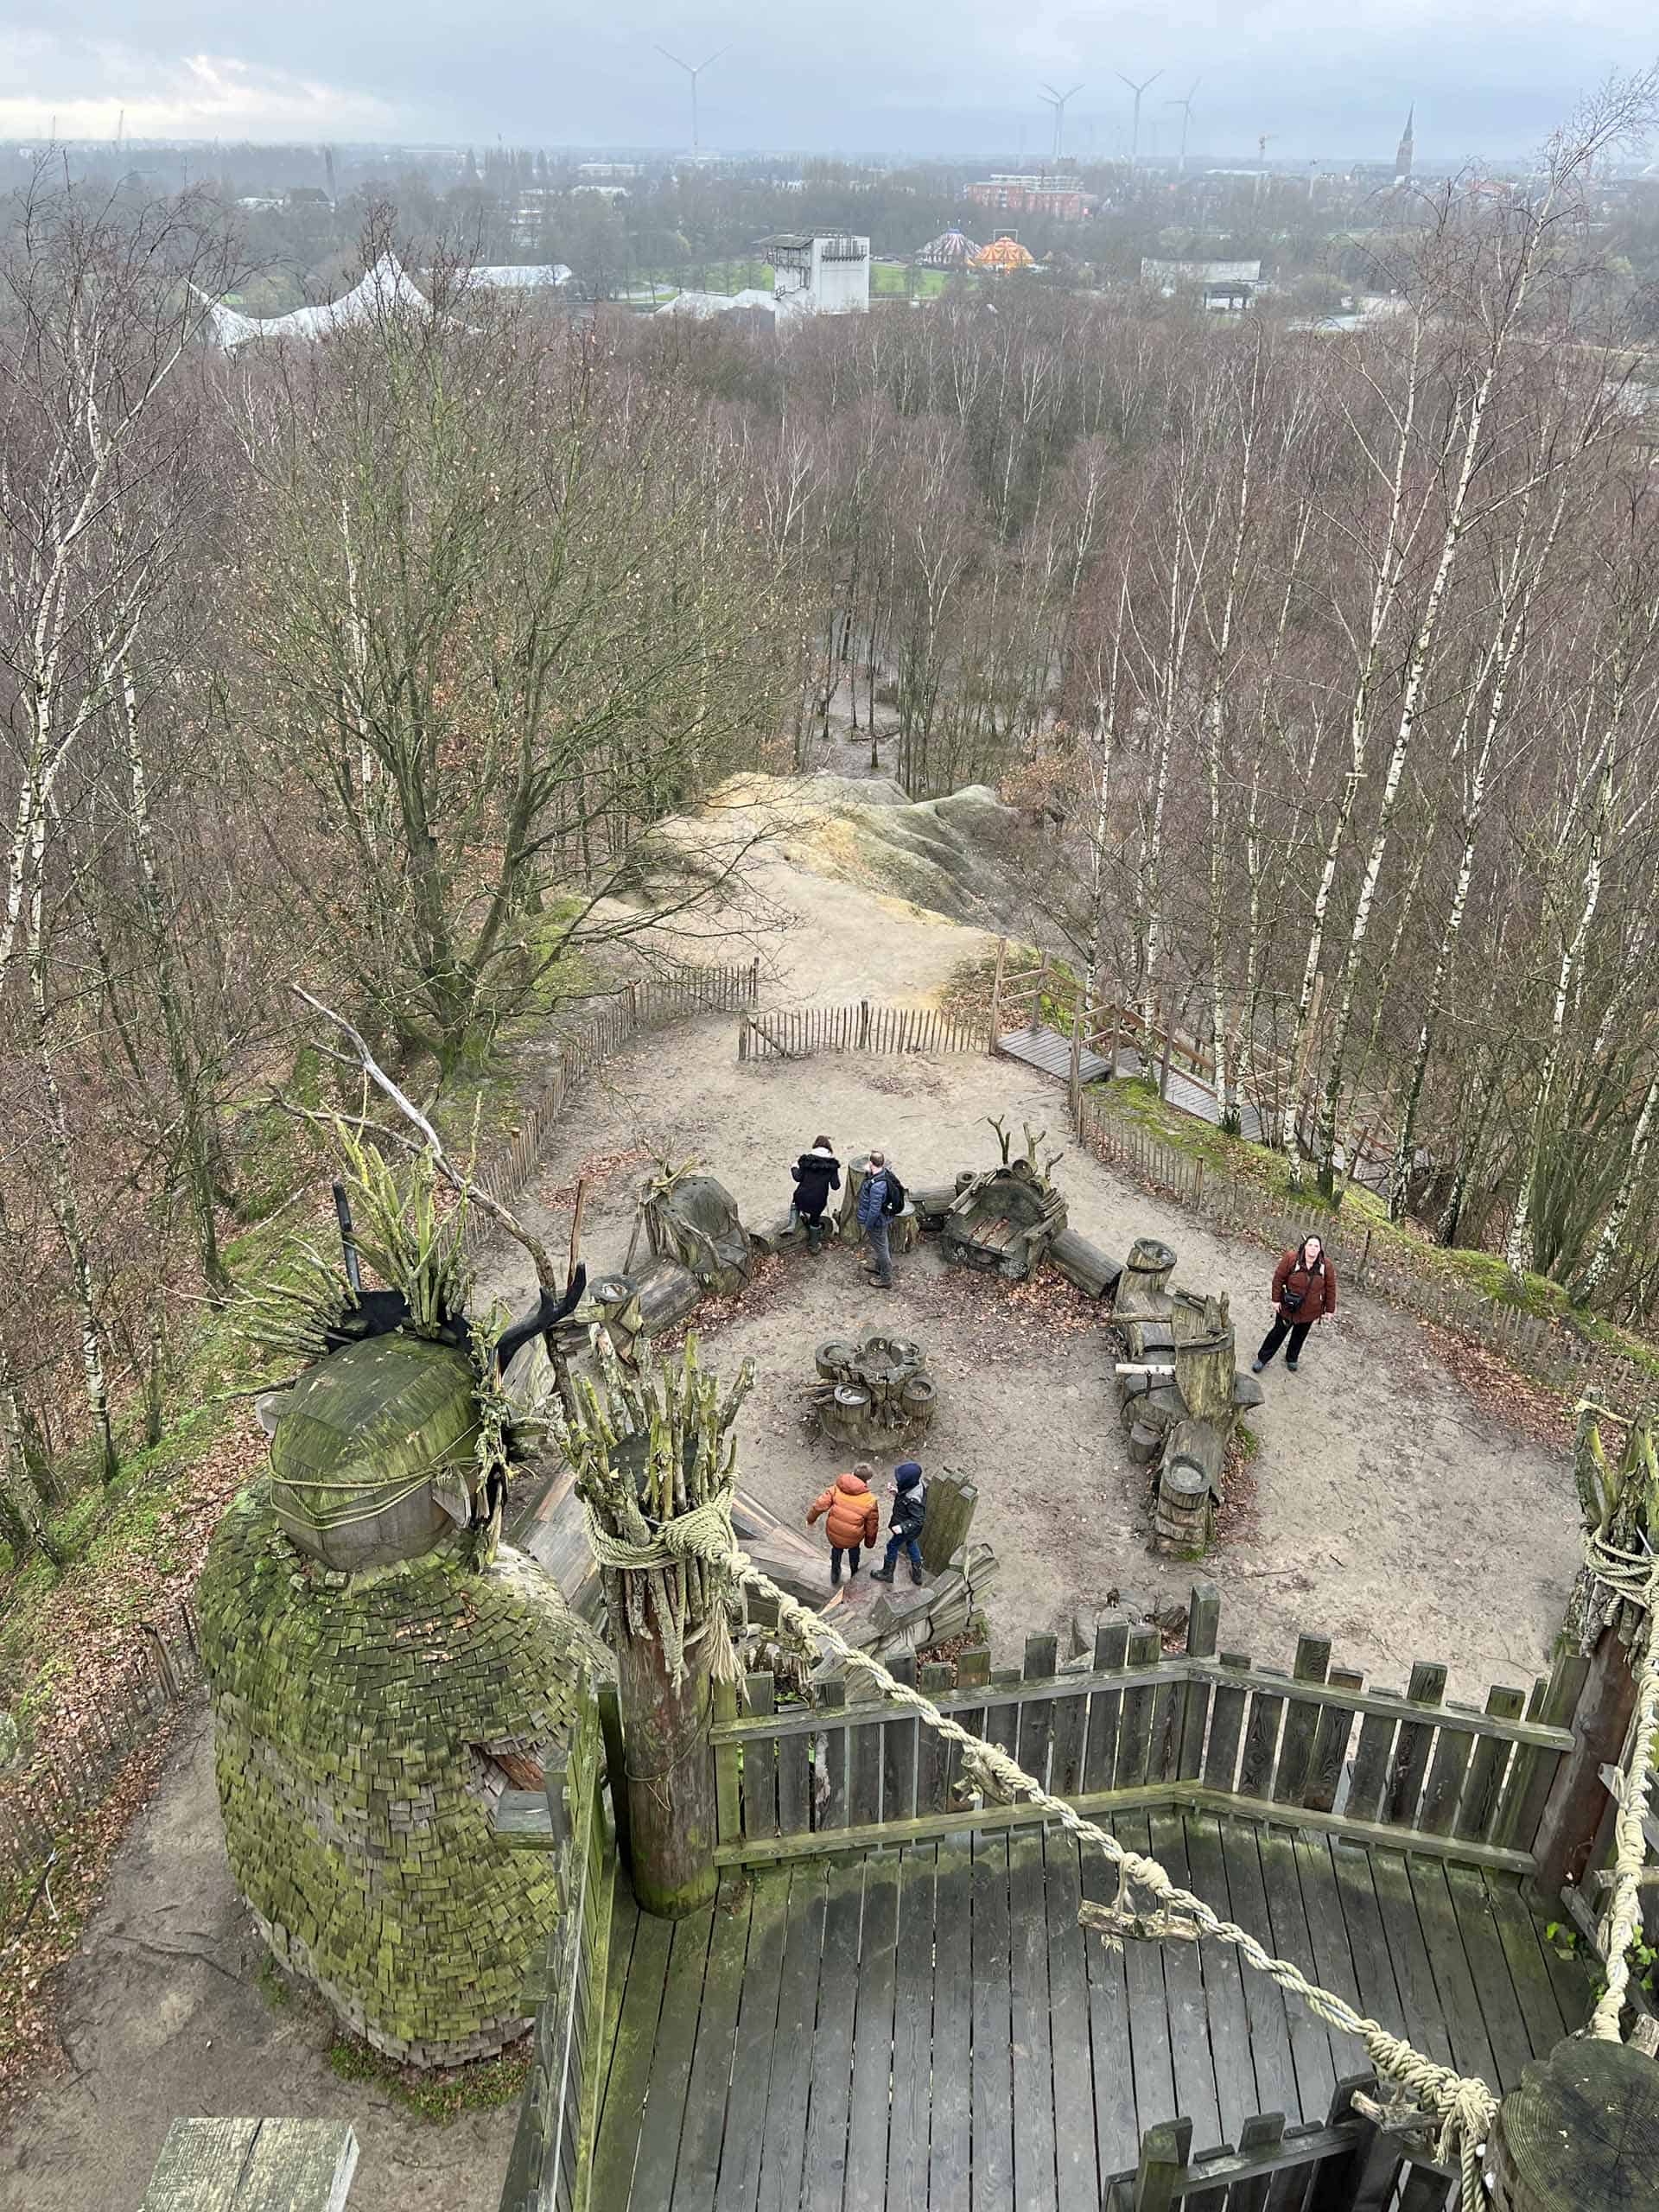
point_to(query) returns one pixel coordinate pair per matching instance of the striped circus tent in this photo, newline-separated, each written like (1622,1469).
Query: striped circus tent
(952,249)
(1005,252)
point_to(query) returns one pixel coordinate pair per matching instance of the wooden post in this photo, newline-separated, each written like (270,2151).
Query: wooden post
(1162,2165)
(1580,2134)
(996,990)
(670,1769)
(951,1503)
(1163,1072)
(1036,1022)
(1599,1716)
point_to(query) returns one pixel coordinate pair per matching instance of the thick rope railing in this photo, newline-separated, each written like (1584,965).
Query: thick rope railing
(1463,2105)
(1634,1576)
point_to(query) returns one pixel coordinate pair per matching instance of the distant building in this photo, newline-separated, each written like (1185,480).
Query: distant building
(827,272)
(381,292)
(1061,198)
(308,195)
(607,172)
(520,277)
(616,193)
(1224,285)
(1403,159)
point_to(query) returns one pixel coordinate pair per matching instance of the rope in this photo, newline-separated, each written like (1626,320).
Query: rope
(1635,1577)
(1465,2106)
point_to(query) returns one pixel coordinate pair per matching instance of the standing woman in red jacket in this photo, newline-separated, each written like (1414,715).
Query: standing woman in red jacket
(1303,1292)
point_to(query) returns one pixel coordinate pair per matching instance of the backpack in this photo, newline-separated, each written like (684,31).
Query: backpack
(895,1200)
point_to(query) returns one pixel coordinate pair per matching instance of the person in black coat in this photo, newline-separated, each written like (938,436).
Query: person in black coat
(908,1511)
(816,1174)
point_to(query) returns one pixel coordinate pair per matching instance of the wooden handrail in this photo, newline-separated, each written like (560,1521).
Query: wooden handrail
(1389,1704)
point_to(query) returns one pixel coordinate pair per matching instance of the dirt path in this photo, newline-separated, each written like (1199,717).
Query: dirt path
(163,2017)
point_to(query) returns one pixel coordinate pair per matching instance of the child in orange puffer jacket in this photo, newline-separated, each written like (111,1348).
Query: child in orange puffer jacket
(854,1517)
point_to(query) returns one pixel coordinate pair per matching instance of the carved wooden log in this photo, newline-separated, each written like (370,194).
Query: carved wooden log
(1204,1372)
(951,1503)
(1086,1265)
(1580,2134)
(1146,1274)
(1144,1442)
(904,1230)
(1199,1445)
(932,1205)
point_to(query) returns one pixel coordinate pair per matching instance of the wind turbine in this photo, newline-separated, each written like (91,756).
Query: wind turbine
(1135,141)
(1057,101)
(693,73)
(1185,106)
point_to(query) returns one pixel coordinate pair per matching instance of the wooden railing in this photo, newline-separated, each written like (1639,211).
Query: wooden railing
(649,1004)
(1140,1729)
(865,1026)
(550,2170)
(1348,2165)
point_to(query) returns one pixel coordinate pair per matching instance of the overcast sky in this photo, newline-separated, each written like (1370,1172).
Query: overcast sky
(924,76)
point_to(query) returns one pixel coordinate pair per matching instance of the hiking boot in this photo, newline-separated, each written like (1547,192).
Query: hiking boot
(1256,1366)
(882,1574)
(835,1577)
(882,1283)
(1293,1367)
(915,1574)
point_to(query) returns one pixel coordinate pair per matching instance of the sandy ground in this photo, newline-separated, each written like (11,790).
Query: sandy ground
(1389,1516)
(1386,1510)
(163,2018)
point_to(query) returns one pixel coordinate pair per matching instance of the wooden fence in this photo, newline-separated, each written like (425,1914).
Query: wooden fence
(1567,1362)
(45,1800)
(1139,1729)
(630,1013)
(796,1033)
(551,2167)
(1348,2165)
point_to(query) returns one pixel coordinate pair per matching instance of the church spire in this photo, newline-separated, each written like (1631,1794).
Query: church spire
(1403,157)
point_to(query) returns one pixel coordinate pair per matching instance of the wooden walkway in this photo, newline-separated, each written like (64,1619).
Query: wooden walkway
(928,2027)
(1050,1052)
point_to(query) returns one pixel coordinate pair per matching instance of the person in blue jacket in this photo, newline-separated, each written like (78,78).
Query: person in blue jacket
(904,1529)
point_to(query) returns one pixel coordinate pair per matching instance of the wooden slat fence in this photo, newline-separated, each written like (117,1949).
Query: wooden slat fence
(49,1796)
(1138,1728)
(650,1004)
(551,2167)
(1567,1362)
(1348,2165)
(794,1033)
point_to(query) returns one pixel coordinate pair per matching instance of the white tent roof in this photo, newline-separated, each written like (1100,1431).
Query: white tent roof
(387,286)
(703,305)
(515,277)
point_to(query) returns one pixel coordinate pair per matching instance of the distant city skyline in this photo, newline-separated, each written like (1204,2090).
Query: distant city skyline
(918,77)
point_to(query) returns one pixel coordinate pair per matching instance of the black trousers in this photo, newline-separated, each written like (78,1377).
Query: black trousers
(1296,1330)
(835,1556)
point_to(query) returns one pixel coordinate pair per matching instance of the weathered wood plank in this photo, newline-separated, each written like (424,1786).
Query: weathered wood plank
(824,2177)
(1264,2002)
(1448,1771)
(912,2034)
(992,2078)
(1483,1793)
(951,2133)
(1370,1777)
(1541,2012)
(1105,1708)
(867,2138)
(1309,2046)
(899,1749)
(829,1765)
(1301,1722)
(1237,2097)
(1151,2051)
(1037,1716)
(783,2145)
(931,1746)
(1226,1725)
(1374,1974)
(745,2101)
(794,1785)
(671,2058)
(1336,1724)
(253,2166)
(1118,2134)
(1494,1989)
(1332,1951)
(1035,2185)
(761,1763)
(1203,1626)
(864,1772)
(1261,1743)
(630,2056)
(1189,2020)
(1471,2047)
(1402,1929)
(1077,2174)
(1411,1750)
(1135,1730)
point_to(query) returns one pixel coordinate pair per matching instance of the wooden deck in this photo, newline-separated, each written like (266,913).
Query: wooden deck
(927,2026)
(1050,1052)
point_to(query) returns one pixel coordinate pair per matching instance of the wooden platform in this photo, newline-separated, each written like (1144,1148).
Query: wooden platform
(928,2027)
(1047,1049)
